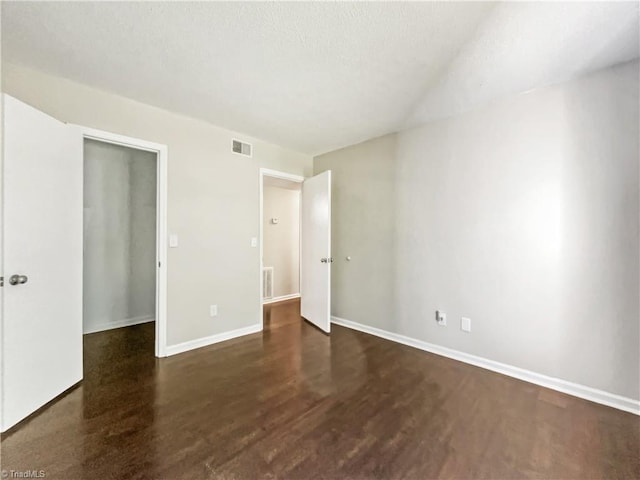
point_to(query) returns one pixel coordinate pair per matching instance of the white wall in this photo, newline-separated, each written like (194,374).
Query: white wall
(281,241)
(523,216)
(119,274)
(213,198)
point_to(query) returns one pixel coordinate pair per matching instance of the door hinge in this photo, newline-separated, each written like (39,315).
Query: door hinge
(1,281)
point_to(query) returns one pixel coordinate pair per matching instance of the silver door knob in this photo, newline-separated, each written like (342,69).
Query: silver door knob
(18,279)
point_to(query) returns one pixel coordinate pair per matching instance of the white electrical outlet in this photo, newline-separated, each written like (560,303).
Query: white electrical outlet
(441,318)
(213,310)
(465,324)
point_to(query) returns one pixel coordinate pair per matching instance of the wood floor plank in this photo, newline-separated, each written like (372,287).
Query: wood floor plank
(293,403)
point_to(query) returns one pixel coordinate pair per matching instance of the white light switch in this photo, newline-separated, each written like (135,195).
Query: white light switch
(465,324)
(213,310)
(254,242)
(173,240)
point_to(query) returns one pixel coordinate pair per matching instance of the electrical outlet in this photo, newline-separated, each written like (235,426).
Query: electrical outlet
(213,310)
(465,324)
(441,318)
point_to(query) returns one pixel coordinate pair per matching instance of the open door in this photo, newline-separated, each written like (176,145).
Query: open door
(42,308)
(315,251)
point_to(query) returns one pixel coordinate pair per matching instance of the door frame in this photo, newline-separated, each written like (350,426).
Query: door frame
(267,172)
(162,156)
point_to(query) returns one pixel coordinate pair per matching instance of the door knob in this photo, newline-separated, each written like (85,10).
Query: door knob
(18,279)
(323,260)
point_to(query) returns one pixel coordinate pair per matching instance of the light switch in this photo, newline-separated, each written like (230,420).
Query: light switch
(254,242)
(465,324)
(173,240)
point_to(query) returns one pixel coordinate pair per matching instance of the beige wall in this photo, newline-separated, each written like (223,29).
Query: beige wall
(281,241)
(213,198)
(363,228)
(523,216)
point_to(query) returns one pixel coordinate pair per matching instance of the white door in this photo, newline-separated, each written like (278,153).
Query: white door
(315,251)
(42,311)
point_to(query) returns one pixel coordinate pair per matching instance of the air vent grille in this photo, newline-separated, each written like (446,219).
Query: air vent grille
(267,282)
(241,148)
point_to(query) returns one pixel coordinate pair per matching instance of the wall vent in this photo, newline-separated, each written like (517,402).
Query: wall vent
(241,148)
(267,282)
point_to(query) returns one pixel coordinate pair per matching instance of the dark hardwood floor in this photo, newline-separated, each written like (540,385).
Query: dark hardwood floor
(291,402)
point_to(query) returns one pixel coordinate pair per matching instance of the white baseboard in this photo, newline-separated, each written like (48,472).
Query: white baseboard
(205,341)
(127,322)
(280,298)
(575,389)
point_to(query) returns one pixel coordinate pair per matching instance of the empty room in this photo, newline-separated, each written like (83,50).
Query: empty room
(338,240)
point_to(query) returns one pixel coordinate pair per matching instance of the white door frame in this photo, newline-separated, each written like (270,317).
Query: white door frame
(266,172)
(161,221)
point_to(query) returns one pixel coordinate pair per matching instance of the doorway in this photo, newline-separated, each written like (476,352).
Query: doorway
(280,196)
(124,231)
(311,204)
(119,241)
(280,239)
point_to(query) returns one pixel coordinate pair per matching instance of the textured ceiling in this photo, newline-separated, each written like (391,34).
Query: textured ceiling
(522,46)
(318,76)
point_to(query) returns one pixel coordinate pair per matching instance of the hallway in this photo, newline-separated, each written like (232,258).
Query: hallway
(291,402)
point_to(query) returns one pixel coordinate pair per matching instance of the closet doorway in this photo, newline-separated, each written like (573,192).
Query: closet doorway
(124,257)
